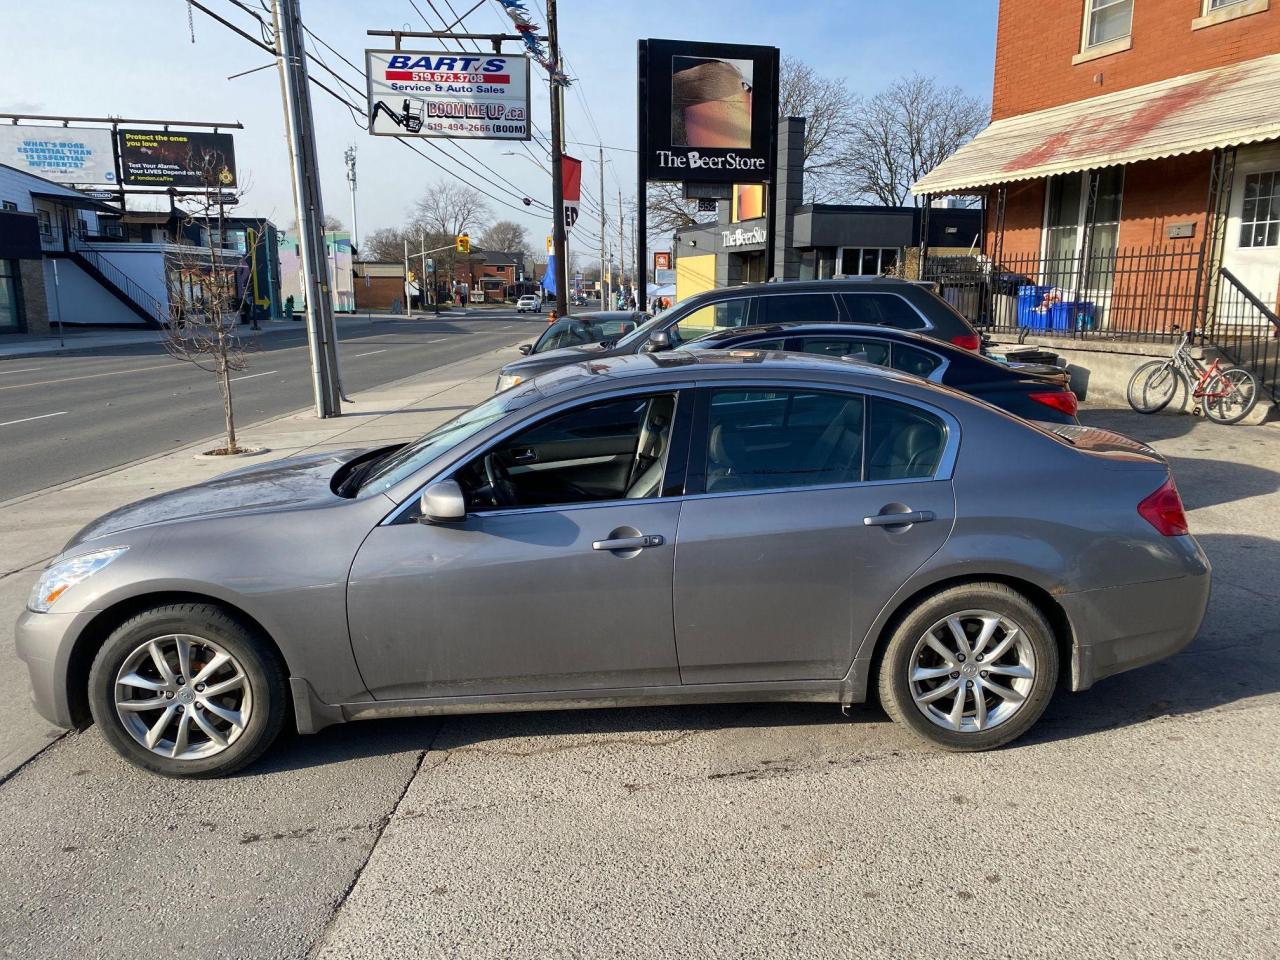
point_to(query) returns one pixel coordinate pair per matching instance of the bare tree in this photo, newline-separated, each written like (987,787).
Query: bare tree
(828,108)
(504,235)
(386,245)
(903,132)
(450,208)
(669,210)
(206,300)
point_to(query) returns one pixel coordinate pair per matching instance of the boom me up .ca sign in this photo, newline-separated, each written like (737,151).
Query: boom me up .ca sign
(448,95)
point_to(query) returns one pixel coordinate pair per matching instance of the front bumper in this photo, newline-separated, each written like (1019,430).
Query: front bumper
(1121,628)
(44,642)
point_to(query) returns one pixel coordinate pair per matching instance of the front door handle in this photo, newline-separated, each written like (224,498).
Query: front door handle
(898,519)
(524,456)
(628,543)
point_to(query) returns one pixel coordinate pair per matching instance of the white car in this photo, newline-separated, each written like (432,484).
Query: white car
(529,302)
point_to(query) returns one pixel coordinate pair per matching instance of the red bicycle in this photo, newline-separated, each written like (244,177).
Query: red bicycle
(1226,394)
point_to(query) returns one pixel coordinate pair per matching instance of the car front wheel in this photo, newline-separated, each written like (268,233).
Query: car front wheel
(970,668)
(185,690)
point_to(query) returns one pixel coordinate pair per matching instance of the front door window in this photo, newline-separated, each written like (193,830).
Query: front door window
(10,307)
(708,319)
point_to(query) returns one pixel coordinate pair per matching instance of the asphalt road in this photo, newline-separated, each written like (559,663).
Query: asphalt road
(1138,819)
(71,415)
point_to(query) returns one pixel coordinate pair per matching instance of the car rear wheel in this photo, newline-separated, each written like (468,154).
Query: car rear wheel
(185,690)
(970,668)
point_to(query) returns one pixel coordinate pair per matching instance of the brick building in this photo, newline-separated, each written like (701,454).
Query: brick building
(1134,152)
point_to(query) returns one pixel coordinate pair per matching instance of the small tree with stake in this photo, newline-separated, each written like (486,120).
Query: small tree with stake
(205,300)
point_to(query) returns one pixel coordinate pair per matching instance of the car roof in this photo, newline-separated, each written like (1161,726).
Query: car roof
(681,364)
(832,285)
(796,328)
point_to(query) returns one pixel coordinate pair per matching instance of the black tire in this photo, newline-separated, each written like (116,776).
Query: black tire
(897,665)
(1152,386)
(1239,403)
(252,654)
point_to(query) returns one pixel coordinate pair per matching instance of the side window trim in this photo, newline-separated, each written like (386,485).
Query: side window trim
(681,389)
(695,485)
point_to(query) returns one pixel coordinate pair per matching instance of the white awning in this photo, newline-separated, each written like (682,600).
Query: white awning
(1225,107)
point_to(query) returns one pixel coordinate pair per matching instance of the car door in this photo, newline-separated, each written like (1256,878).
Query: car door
(566,589)
(806,510)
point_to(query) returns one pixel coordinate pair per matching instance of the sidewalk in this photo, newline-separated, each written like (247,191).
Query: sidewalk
(34,527)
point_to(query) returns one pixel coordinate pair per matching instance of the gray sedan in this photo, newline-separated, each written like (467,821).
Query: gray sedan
(685,527)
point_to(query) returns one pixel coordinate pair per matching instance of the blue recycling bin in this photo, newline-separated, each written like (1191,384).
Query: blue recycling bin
(1029,300)
(1072,315)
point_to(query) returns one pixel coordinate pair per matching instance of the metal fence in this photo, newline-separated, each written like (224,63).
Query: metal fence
(1149,294)
(1247,331)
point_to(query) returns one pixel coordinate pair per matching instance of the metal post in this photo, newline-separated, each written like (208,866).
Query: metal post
(350,157)
(558,240)
(622,249)
(422,271)
(300,133)
(57,302)
(642,184)
(924,237)
(407,312)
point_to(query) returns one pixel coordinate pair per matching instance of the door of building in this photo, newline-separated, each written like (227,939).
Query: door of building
(10,305)
(1252,247)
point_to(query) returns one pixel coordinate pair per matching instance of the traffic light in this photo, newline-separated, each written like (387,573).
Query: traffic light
(462,244)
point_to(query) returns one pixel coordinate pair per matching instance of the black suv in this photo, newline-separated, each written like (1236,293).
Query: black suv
(875,301)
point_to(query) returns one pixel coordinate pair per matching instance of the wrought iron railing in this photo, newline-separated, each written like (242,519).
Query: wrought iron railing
(1126,294)
(1247,331)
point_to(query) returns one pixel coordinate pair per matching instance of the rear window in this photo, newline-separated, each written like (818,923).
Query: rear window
(797,308)
(882,310)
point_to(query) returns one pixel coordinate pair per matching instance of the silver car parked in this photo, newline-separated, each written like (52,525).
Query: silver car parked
(667,528)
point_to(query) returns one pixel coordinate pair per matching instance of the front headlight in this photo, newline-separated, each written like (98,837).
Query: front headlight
(64,574)
(507,380)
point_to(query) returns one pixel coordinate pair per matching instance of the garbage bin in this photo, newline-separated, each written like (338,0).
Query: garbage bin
(1030,310)
(1072,315)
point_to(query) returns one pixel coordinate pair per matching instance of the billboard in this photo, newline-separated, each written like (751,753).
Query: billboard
(708,111)
(174,158)
(450,95)
(62,154)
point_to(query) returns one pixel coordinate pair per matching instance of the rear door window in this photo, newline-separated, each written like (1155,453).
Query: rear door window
(868,351)
(903,442)
(911,360)
(882,310)
(798,308)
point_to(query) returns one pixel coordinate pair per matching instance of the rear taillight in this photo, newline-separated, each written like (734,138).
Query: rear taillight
(968,341)
(1163,510)
(1063,401)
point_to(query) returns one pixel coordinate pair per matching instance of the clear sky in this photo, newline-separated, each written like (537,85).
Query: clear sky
(134,58)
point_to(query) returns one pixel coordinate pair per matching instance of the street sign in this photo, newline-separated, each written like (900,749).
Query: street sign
(416,93)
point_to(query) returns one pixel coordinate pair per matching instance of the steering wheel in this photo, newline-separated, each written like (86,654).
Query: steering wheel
(504,491)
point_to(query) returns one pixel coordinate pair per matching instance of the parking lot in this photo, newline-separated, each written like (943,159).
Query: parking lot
(1137,819)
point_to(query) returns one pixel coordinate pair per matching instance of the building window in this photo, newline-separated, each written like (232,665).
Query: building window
(1107,20)
(1260,218)
(46,223)
(867,261)
(10,301)
(1066,211)
(9,205)
(1211,5)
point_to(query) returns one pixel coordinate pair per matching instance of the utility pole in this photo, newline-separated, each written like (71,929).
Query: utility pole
(407,312)
(300,130)
(622,243)
(603,305)
(558,243)
(350,157)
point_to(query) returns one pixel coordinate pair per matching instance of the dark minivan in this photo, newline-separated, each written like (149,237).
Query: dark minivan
(874,301)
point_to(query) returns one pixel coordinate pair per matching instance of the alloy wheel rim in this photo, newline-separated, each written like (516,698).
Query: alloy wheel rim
(972,671)
(183,697)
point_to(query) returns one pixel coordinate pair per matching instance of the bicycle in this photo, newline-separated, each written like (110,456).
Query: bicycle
(1226,394)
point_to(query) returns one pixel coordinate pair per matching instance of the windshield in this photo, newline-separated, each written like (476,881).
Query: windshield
(580,331)
(408,460)
(639,333)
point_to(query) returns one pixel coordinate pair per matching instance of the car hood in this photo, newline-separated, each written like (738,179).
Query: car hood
(294,481)
(528,366)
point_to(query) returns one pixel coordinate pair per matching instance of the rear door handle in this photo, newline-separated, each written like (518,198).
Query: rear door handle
(628,543)
(898,519)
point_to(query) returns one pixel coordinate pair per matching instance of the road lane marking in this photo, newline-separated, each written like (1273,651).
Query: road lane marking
(441,340)
(91,376)
(23,370)
(252,375)
(43,416)
(369,354)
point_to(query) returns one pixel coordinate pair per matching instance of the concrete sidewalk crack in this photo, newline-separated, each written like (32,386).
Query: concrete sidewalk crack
(323,938)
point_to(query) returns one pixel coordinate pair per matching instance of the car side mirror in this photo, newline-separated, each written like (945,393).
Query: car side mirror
(525,348)
(443,502)
(658,340)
